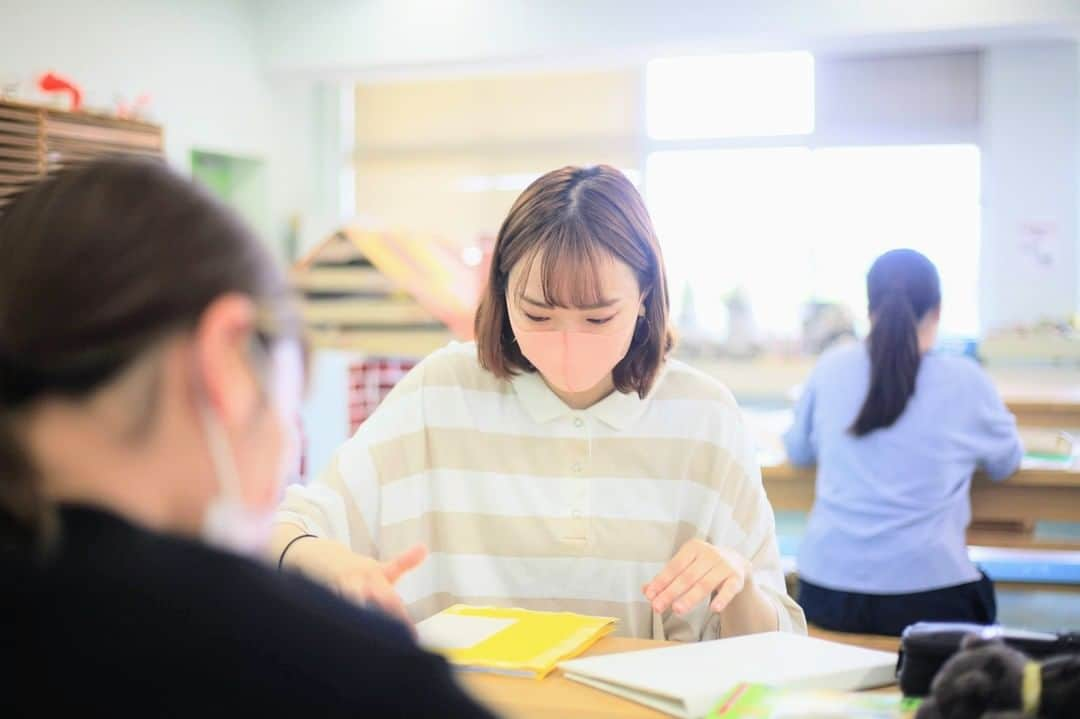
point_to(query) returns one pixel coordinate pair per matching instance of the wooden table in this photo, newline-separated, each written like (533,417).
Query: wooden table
(1047,404)
(557,696)
(1039,396)
(1003,513)
(1044,400)
(867,641)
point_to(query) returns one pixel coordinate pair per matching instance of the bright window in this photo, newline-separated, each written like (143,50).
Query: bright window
(874,199)
(788,225)
(750,95)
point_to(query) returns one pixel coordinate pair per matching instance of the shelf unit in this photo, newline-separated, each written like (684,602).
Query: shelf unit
(37,140)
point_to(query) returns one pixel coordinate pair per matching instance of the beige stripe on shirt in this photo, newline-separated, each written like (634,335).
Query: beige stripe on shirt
(540,456)
(599,537)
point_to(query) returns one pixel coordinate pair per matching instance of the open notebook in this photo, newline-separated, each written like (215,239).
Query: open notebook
(517,642)
(688,681)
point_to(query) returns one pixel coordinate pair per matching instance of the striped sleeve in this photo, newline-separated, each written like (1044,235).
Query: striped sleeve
(343,503)
(751,529)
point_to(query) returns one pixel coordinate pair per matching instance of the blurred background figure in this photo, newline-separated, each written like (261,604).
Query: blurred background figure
(897,433)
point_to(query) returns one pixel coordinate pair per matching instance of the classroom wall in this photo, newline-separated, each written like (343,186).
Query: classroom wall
(199,62)
(1030,120)
(464,148)
(896,98)
(306,135)
(387,36)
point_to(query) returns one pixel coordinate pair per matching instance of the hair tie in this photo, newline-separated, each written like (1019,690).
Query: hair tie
(1031,689)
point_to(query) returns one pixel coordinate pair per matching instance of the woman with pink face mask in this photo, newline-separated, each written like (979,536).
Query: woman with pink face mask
(562,461)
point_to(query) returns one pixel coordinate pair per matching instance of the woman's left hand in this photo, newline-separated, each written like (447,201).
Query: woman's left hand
(695,572)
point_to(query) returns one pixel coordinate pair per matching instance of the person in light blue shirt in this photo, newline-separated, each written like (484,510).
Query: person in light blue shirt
(897,432)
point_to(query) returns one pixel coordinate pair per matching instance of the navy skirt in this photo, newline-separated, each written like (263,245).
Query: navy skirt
(890,613)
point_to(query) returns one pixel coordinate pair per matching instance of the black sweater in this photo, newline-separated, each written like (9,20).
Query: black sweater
(121,619)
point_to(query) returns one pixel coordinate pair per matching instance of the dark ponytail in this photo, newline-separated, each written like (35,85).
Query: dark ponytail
(903,287)
(986,679)
(97,264)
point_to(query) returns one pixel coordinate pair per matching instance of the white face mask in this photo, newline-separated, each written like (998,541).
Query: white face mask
(229,523)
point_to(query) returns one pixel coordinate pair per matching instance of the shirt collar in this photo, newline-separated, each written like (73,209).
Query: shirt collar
(618,410)
(539,401)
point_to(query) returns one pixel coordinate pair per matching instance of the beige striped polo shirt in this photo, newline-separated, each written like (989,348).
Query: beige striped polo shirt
(525,502)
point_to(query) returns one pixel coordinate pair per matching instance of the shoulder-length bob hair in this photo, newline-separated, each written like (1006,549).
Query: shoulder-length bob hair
(575,219)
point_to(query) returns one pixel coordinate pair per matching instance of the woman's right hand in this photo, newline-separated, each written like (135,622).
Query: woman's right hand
(361,579)
(369,581)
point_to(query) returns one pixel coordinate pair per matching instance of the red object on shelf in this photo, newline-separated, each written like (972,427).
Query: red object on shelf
(370,380)
(51,82)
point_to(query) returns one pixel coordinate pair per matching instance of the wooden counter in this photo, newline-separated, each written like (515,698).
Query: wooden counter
(1034,410)
(1039,396)
(1003,513)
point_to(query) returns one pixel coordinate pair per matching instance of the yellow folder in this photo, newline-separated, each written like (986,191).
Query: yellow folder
(517,642)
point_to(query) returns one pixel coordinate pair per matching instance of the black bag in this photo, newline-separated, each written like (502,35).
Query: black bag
(926,646)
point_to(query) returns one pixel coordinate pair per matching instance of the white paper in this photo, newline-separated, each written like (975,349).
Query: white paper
(457,631)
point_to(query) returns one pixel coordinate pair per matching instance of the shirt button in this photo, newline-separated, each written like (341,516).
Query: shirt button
(577,467)
(579,423)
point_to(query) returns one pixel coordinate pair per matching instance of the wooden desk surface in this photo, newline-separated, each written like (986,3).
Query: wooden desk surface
(869,641)
(1054,404)
(1003,513)
(1039,396)
(1063,478)
(557,696)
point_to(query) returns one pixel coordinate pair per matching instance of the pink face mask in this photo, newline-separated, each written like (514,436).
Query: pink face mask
(573,361)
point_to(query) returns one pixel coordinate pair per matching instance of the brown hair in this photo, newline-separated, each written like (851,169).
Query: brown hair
(100,262)
(578,217)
